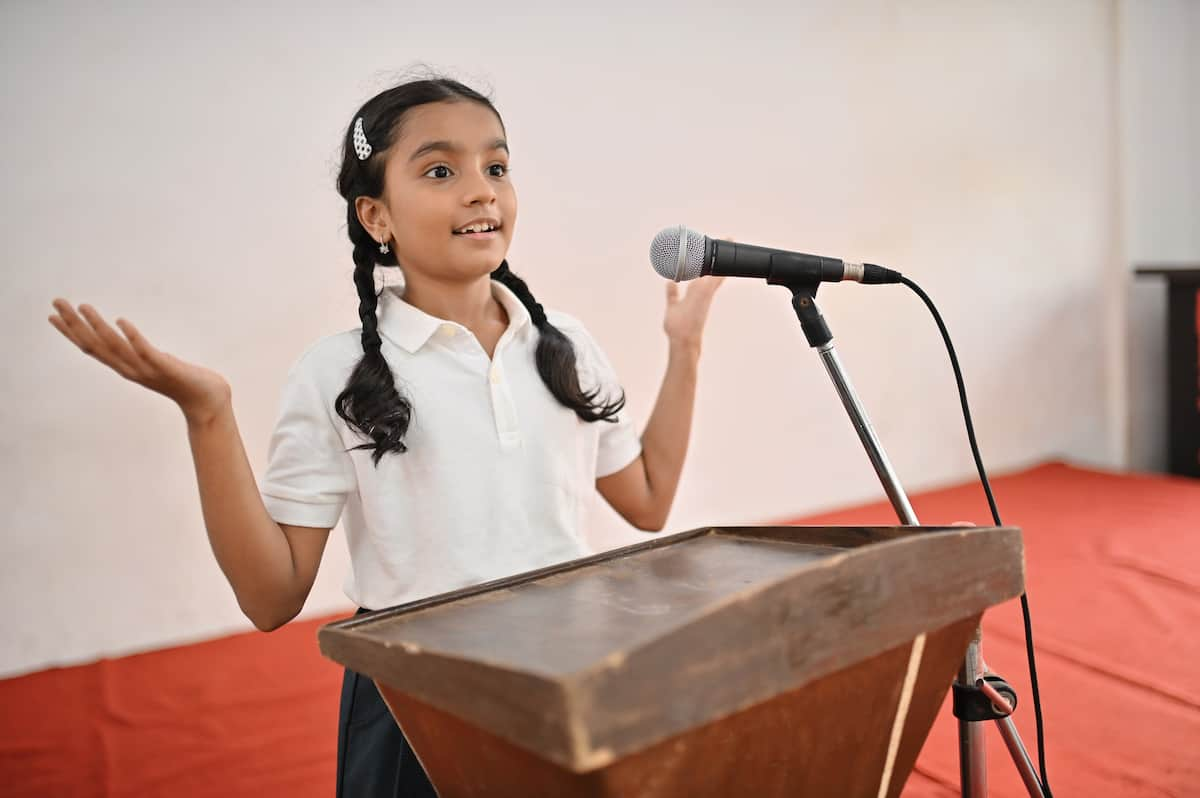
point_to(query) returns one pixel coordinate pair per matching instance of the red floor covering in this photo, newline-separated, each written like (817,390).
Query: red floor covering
(1113,573)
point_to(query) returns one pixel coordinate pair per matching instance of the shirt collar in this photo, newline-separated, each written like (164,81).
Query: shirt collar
(411,328)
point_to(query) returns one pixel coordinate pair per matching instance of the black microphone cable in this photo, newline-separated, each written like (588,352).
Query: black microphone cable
(987,489)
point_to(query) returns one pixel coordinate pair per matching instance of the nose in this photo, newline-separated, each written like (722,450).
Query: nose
(479,190)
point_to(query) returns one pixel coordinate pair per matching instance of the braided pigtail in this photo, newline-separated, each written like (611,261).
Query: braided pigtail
(555,358)
(370,403)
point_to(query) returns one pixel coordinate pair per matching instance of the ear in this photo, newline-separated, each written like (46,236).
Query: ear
(373,216)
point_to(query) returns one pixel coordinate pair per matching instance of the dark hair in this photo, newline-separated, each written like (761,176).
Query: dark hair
(371,403)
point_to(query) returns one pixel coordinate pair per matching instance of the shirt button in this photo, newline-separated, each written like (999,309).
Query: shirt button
(494,377)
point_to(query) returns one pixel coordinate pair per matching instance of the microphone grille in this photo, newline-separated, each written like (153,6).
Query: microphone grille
(677,253)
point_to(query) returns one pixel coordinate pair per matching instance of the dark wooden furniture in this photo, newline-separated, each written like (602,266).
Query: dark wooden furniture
(1183,366)
(758,661)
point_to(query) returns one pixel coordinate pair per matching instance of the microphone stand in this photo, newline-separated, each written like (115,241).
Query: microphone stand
(978,696)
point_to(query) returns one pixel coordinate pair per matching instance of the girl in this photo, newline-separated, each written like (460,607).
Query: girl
(459,433)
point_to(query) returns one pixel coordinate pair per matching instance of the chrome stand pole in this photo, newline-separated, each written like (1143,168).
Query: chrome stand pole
(972,748)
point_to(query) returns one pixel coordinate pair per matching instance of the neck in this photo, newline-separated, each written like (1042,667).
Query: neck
(470,304)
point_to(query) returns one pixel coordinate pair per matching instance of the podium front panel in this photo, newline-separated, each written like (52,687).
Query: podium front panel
(585,665)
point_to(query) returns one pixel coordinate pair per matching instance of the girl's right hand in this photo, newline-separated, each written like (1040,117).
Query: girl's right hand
(200,393)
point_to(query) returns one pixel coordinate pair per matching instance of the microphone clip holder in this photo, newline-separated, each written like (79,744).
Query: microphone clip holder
(804,296)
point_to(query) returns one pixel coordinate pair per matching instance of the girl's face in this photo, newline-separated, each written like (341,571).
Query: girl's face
(445,182)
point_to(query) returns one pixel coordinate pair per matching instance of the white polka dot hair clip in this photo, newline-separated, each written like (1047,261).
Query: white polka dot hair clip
(361,146)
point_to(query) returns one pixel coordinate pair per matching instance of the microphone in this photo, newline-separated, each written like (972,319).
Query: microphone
(680,253)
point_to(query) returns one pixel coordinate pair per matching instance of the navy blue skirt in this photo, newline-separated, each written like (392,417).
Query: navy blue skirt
(374,759)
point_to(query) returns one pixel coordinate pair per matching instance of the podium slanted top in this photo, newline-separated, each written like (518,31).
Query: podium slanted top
(591,660)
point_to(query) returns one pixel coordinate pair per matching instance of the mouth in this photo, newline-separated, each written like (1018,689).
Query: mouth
(481,229)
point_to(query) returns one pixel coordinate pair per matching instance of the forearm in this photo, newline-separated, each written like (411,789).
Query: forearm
(665,440)
(249,545)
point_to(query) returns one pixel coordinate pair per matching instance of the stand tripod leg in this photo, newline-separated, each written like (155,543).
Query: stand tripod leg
(972,747)
(972,753)
(1020,757)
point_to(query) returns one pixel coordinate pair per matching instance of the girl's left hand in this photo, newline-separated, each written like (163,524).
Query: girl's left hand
(687,312)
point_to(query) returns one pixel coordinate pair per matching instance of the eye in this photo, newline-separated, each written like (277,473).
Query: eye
(498,170)
(440,172)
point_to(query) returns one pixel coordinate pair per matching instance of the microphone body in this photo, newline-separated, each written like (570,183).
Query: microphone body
(725,258)
(679,254)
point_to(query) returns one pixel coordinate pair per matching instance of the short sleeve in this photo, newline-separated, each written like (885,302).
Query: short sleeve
(309,473)
(620,442)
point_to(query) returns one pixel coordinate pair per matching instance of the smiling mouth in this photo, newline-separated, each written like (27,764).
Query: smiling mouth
(480,229)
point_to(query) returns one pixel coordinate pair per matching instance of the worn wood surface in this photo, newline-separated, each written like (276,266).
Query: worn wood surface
(828,738)
(593,662)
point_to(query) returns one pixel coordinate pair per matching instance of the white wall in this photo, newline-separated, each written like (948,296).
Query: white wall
(1160,174)
(175,166)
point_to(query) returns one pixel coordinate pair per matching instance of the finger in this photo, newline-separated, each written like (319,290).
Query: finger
(80,332)
(71,326)
(141,346)
(62,310)
(703,290)
(117,347)
(60,325)
(672,292)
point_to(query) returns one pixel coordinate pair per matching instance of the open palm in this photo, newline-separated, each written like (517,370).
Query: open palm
(687,311)
(199,392)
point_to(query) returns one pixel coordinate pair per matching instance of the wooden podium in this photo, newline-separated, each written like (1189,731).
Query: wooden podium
(754,661)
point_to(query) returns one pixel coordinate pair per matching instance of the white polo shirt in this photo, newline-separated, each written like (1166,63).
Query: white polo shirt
(498,475)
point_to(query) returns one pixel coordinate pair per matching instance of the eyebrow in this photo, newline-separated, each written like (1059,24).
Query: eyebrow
(450,146)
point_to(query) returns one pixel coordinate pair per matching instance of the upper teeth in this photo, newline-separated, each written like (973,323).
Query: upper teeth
(478,227)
